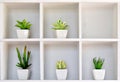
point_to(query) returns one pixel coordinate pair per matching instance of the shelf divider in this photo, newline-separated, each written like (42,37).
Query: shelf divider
(4,58)
(80,60)
(41,20)
(80,20)
(118,47)
(42,60)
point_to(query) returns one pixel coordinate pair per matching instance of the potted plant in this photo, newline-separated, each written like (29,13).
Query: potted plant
(24,28)
(23,65)
(98,72)
(61,29)
(61,70)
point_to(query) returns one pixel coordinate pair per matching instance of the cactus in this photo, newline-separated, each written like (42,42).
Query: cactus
(60,65)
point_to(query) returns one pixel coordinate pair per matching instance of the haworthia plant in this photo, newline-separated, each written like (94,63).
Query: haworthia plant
(98,62)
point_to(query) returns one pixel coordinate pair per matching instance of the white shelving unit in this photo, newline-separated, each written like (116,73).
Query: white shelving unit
(94,31)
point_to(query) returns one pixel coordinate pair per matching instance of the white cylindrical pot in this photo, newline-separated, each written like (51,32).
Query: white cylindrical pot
(99,74)
(61,33)
(23,74)
(22,34)
(61,74)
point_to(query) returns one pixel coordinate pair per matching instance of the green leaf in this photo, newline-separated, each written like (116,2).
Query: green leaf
(28,57)
(19,56)
(24,54)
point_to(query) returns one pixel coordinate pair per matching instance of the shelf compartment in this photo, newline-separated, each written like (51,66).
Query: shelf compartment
(99,20)
(10,57)
(20,11)
(106,50)
(67,12)
(67,51)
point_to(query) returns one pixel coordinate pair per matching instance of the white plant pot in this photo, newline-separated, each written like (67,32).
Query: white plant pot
(99,74)
(22,34)
(61,74)
(23,74)
(61,33)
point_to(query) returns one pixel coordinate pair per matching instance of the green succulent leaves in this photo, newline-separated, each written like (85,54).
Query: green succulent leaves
(61,65)
(23,24)
(98,62)
(23,60)
(60,25)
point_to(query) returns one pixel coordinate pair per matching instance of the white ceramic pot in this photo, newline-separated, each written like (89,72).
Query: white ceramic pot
(99,74)
(61,33)
(23,74)
(23,34)
(61,74)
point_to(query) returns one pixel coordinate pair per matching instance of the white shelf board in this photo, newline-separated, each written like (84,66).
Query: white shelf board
(70,40)
(100,40)
(20,40)
(22,1)
(99,1)
(60,1)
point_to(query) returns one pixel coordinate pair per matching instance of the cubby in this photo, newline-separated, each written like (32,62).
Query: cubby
(93,32)
(69,52)
(68,12)
(99,20)
(106,50)
(20,11)
(10,55)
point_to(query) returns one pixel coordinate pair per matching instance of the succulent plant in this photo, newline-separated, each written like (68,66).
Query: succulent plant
(61,65)
(98,62)
(23,24)
(60,25)
(23,59)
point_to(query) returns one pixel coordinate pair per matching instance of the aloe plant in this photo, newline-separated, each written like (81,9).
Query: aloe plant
(61,65)
(60,25)
(98,62)
(23,59)
(23,24)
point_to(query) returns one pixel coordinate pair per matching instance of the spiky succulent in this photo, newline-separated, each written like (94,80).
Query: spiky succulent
(23,24)
(61,65)
(60,25)
(23,59)
(98,62)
